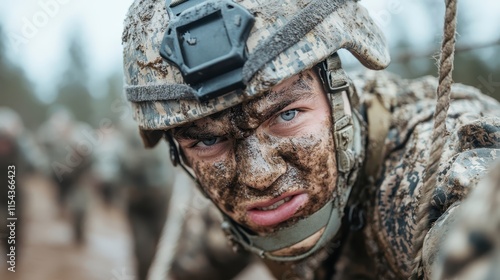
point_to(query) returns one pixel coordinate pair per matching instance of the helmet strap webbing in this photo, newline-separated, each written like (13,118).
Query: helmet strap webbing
(327,217)
(336,85)
(177,158)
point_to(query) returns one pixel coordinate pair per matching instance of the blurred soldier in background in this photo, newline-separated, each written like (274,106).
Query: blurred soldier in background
(69,147)
(19,154)
(11,129)
(52,137)
(148,178)
(141,181)
(107,167)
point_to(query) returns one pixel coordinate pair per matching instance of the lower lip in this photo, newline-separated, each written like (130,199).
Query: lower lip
(284,212)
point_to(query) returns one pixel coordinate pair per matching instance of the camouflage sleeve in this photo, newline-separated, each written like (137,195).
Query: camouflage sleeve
(475,150)
(472,147)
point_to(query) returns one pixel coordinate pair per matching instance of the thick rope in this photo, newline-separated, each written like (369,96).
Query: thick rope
(439,136)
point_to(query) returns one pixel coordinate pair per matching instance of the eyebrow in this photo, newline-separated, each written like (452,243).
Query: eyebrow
(296,95)
(192,132)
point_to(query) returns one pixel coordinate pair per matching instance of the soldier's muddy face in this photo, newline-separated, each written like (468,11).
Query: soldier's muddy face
(269,162)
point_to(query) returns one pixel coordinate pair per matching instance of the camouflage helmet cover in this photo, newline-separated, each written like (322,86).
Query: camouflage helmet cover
(346,25)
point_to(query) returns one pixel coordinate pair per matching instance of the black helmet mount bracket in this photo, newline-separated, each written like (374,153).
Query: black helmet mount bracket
(206,40)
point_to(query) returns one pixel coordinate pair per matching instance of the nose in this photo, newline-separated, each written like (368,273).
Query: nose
(259,165)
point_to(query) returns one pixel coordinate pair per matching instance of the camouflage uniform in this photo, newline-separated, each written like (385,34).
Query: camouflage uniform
(472,249)
(391,199)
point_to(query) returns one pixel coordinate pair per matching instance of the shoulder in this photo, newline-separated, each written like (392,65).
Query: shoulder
(473,144)
(473,118)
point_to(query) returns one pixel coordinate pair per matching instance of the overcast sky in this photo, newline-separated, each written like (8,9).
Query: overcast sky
(38,31)
(48,24)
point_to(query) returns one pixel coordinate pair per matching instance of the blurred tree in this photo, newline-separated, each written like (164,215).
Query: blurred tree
(111,105)
(472,70)
(471,67)
(16,91)
(73,92)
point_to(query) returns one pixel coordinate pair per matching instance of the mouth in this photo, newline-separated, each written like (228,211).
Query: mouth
(275,211)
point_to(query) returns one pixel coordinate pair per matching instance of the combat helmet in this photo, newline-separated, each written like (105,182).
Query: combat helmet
(189,59)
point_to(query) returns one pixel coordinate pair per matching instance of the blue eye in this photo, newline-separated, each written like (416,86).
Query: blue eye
(209,142)
(289,115)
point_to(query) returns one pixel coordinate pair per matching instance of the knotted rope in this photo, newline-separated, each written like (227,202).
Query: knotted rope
(439,135)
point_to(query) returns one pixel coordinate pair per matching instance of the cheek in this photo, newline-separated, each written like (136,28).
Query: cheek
(314,157)
(217,180)
(315,151)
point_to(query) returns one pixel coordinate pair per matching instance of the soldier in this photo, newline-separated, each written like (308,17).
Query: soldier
(316,172)
(69,145)
(53,137)
(107,166)
(11,129)
(147,177)
(138,180)
(20,157)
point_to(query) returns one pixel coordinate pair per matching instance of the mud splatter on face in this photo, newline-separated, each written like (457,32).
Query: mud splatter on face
(278,144)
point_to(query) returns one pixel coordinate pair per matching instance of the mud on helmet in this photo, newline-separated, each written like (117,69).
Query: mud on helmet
(189,59)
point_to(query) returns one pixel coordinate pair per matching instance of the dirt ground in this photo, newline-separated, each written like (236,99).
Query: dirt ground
(49,253)
(48,250)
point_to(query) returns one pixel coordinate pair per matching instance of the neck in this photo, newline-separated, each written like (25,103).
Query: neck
(319,266)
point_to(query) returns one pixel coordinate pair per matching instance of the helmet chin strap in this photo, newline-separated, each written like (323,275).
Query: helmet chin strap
(348,147)
(327,217)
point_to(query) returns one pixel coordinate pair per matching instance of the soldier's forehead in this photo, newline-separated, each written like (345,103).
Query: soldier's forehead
(250,114)
(299,87)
